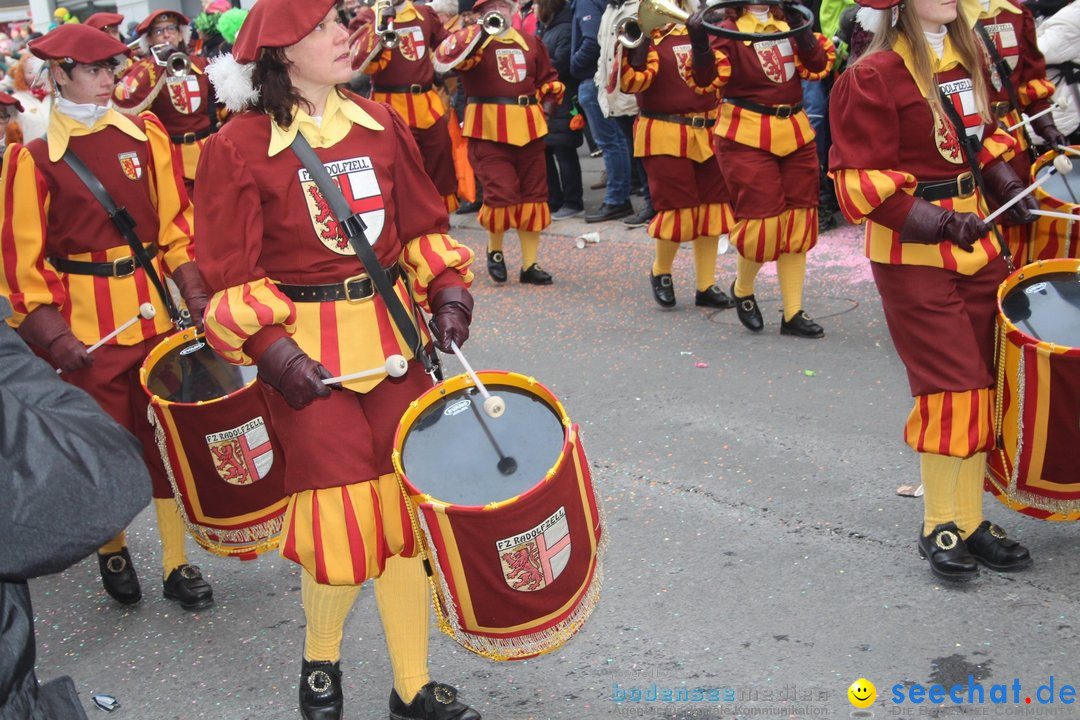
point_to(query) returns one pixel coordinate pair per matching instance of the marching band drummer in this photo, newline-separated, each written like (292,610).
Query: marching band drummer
(403,77)
(766,149)
(898,161)
(289,296)
(672,136)
(71,276)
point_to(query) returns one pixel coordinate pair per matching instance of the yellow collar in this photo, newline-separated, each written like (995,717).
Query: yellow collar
(510,36)
(409,12)
(948,60)
(339,115)
(747,23)
(997,7)
(62,128)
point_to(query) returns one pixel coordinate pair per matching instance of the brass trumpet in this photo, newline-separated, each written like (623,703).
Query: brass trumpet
(384,23)
(632,31)
(175,62)
(494,23)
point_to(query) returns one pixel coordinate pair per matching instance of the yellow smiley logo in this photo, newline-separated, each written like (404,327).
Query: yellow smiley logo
(862,693)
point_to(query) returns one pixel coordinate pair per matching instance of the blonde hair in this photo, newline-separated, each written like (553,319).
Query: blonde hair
(971,53)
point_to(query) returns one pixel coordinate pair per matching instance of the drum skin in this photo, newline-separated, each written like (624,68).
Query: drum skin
(1055,237)
(221,455)
(518,576)
(1034,470)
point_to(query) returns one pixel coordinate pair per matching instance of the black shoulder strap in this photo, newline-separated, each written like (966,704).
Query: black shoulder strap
(1003,72)
(353,226)
(125,224)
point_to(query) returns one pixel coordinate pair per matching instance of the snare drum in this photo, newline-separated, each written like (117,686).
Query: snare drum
(506,512)
(1054,237)
(219,450)
(1036,468)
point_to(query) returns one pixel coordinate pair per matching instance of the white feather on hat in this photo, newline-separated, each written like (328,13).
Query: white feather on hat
(232,82)
(874,21)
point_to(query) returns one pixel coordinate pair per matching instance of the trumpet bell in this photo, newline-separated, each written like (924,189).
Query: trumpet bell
(657,13)
(628,33)
(494,23)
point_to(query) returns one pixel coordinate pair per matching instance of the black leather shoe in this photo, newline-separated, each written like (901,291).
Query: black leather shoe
(989,545)
(469,208)
(496,266)
(320,690)
(185,584)
(663,291)
(119,578)
(533,275)
(609,212)
(947,553)
(435,701)
(801,325)
(714,297)
(748,311)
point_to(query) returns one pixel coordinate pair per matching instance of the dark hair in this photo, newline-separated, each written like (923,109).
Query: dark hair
(277,96)
(546,10)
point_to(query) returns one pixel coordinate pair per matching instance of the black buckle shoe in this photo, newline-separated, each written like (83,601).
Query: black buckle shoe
(663,290)
(533,275)
(947,553)
(320,690)
(435,701)
(186,585)
(496,266)
(990,546)
(748,311)
(801,325)
(119,578)
(714,297)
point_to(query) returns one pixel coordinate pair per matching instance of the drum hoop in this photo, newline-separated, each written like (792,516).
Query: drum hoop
(1040,267)
(1052,201)
(161,350)
(490,378)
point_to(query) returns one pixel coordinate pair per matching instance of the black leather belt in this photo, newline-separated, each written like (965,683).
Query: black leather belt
(519,100)
(120,267)
(1001,108)
(961,186)
(780,111)
(698,121)
(355,289)
(413,89)
(191,137)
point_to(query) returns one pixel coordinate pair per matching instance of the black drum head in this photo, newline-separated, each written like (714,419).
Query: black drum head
(457,454)
(1047,307)
(193,372)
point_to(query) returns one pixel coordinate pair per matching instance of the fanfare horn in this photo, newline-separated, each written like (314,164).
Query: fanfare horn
(652,14)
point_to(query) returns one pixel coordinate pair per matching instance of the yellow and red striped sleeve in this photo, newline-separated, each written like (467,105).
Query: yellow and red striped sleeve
(632,80)
(861,191)
(26,278)
(716,86)
(552,88)
(236,314)
(998,144)
(428,258)
(420,111)
(830,60)
(1034,90)
(176,216)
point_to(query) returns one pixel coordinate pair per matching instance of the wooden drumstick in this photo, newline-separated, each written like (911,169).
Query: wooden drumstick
(146,312)
(493,404)
(1062,165)
(1056,215)
(395,366)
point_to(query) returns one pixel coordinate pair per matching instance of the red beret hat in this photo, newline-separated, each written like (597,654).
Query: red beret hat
(79,42)
(878,4)
(277,23)
(144,26)
(6,99)
(101,20)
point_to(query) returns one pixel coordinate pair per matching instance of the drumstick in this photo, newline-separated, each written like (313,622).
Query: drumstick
(1068,150)
(1026,119)
(146,312)
(395,366)
(493,405)
(1057,215)
(1062,165)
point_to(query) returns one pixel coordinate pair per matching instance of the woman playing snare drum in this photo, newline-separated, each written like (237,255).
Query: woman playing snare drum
(290,297)
(899,164)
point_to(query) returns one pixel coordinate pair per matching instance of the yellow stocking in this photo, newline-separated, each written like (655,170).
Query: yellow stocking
(939,477)
(530,248)
(969,494)
(705,250)
(495,241)
(790,270)
(745,273)
(664,259)
(172,532)
(326,608)
(401,593)
(115,545)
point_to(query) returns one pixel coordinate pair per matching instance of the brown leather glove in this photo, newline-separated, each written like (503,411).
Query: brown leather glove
(929,224)
(47,329)
(1001,185)
(1048,131)
(451,313)
(549,104)
(638,57)
(703,61)
(188,278)
(289,370)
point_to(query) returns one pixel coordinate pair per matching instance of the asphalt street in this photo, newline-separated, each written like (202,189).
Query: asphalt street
(757,550)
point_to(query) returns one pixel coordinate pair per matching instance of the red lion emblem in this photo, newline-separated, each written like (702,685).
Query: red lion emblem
(947,143)
(229,466)
(325,218)
(524,563)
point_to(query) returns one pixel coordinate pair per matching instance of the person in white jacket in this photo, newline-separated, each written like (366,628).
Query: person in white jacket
(1059,41)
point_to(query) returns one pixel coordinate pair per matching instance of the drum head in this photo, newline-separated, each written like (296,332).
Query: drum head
(1065,188)
(457,454)
(192,372)
(1047,308)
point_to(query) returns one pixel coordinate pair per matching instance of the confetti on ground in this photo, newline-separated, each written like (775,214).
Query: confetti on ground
(809,373)
(701,364)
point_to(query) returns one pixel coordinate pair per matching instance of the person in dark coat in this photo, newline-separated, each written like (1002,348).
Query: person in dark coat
(565,195)
(70,479)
